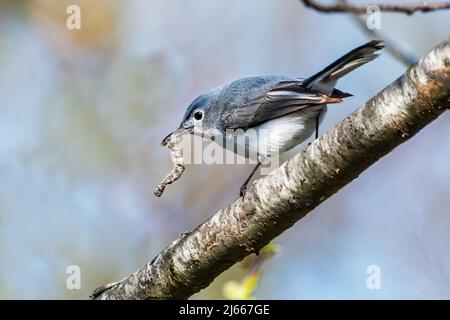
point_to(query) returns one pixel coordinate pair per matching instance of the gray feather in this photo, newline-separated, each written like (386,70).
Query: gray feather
(252,101)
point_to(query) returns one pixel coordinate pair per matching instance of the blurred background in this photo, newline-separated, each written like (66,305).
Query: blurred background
(82,113)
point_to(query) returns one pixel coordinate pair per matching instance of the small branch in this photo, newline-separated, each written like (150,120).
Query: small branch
(401,8)
(277,201)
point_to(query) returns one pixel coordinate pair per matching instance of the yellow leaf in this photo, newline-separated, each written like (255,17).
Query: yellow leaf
(234,290)
(270,250)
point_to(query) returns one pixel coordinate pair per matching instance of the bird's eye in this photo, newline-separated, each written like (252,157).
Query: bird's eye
(198,115)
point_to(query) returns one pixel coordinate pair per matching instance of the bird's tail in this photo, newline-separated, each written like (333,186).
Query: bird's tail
(325,80)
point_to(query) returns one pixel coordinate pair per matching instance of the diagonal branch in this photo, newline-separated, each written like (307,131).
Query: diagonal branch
(391,46)
(409,9)
(280,199)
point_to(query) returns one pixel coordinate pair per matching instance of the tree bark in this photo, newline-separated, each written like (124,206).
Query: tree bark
(279,200)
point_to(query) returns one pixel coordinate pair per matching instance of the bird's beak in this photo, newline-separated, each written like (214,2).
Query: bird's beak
(175,132)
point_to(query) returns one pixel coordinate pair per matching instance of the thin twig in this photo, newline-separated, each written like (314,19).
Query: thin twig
(409,9)
(176,155)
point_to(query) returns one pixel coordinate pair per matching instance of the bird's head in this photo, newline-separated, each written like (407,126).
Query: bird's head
(200,116)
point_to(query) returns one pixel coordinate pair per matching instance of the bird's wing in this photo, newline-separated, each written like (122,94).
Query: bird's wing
(277,100)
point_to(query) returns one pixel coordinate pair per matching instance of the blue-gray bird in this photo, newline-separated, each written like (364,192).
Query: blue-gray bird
(290,108)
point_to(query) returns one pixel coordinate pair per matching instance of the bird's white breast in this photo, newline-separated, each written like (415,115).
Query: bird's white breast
(278,135)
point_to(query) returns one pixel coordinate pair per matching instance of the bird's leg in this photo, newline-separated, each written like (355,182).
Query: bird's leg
(243,189)
(317,126)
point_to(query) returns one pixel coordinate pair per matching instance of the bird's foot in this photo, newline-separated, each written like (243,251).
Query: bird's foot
(243,191)
(97,292)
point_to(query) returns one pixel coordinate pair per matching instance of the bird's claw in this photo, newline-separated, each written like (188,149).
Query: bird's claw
(243,191)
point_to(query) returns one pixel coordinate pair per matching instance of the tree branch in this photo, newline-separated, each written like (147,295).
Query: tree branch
(402,8)
(279,200)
